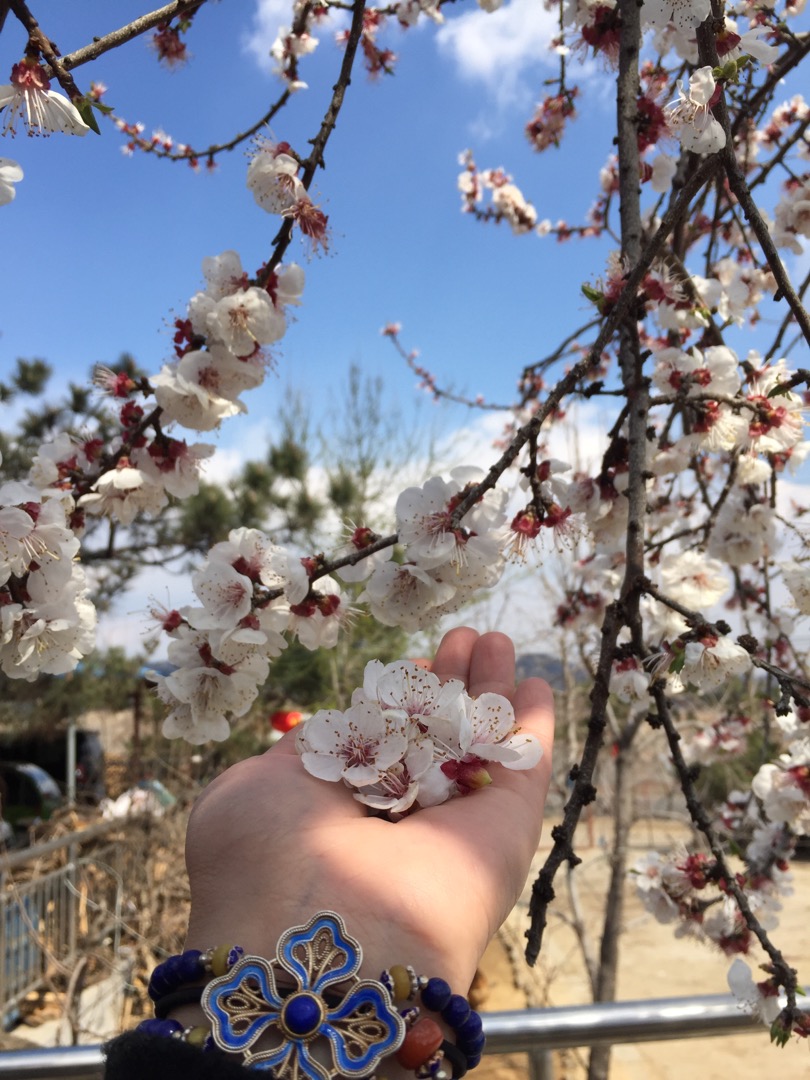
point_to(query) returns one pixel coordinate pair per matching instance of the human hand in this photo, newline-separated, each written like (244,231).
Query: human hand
(268,845)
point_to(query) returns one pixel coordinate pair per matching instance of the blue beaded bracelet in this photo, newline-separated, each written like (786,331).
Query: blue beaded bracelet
(180,979)
(173,1029)
(161,1027)
(436,995)
(189,967)
(174,972)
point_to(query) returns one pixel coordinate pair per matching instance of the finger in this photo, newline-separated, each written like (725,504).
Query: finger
(286,744)
(502,822)
(492,666)
(533,703)
(453,655)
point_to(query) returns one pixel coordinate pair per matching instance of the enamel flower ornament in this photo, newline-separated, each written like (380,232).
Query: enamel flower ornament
(356,1022)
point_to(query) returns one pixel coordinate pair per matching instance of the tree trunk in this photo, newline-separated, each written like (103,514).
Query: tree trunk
(599,1060)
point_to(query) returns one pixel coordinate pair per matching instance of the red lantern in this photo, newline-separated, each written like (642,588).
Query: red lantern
(285,719)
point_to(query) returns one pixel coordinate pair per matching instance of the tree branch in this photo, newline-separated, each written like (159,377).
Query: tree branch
(708,55)
(141,25)
(785,974)
(282,239)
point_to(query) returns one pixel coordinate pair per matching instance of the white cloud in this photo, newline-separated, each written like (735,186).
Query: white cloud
(498,48)
(128,623)
(225,464)
(269,17)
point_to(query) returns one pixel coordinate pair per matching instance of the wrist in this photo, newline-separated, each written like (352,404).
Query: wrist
(387,938)
(317,1001)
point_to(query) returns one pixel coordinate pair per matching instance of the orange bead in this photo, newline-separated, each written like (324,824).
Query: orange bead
(422,1040)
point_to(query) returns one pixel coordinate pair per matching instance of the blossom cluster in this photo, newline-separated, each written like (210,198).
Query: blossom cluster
(409,741)
(273,179)
(687,888)
(448,555)
(250,592)
(228,324)
(507,201)
(47,619)
(783,786)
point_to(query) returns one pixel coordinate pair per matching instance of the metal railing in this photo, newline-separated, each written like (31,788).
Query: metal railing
(39,911)
(37,930)
(535,1032)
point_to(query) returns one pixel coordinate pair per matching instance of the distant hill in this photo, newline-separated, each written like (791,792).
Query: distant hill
(541,666)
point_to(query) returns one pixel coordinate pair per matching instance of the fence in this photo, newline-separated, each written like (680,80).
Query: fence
(534,1031)
(40,913)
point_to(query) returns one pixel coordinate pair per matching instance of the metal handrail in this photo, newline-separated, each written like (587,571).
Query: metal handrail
(533,1031)
(606,1023)
(62,1062)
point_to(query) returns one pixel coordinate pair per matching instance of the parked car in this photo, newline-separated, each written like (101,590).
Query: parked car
(30,795)
(50,751)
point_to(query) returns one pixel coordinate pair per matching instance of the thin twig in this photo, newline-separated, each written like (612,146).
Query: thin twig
(785,974)
(315,160)
(626,299)
(141,25)
(707,49)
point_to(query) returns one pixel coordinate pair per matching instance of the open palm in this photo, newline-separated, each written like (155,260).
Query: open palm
(269,845)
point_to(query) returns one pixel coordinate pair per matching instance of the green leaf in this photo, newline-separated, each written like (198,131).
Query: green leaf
(780,390)
(779,1034)
(592,294)
(86,113)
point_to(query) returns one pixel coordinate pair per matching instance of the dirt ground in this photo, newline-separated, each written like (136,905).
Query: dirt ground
(654,964)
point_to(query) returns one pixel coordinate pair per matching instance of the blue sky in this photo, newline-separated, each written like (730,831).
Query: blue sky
(107,248)
(102,251)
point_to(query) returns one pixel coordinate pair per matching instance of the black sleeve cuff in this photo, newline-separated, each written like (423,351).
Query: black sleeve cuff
(135,1056)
